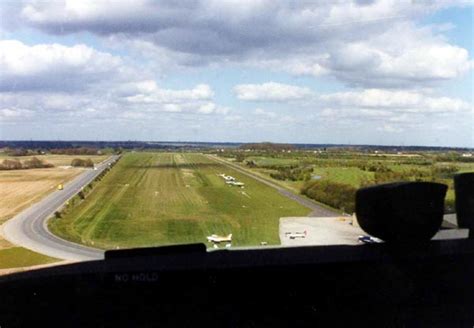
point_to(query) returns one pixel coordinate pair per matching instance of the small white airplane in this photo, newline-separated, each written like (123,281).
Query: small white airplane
(235,183)
(219,239)
(227,177)
(293,235)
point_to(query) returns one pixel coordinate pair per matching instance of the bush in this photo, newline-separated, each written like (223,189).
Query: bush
(11,164)
(239,157)
(14,164)
(78,162)
(337,195)
(35,163)
(251,163)
(292,174)
(444,172)
(17,152)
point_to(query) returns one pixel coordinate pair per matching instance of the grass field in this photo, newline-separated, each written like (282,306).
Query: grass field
(168,198)
(20,257)
(270,161)
(347,168)
(348,175)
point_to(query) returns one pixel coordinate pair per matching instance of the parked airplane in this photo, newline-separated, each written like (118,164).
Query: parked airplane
(227,177)
(235,183)
(293,235)
(219,239)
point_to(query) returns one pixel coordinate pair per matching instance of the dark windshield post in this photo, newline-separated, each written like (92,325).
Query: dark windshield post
(464,189)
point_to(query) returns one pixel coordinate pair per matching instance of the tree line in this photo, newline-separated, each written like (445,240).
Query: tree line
(337,195)
(32,163)
(293,173)
(75,151)
(267,146)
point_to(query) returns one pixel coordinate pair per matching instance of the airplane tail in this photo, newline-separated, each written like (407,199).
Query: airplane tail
(229,236)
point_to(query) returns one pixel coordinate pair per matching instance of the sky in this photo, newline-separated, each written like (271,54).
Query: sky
(385,72)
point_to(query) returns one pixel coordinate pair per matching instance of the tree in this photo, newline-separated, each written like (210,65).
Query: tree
(11,164)
(78,162)
(35,163)
(239,157)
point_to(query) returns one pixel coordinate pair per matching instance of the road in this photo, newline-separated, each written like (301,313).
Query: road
(316,210)
(29,228)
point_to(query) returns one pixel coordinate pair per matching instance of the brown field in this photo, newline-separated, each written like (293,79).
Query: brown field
(22,188)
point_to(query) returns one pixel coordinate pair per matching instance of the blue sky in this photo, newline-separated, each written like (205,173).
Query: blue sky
(356,72)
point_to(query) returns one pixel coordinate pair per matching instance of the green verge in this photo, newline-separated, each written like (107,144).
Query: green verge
(16,257)
(153,199)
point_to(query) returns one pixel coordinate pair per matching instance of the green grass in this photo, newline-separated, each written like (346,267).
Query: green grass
(271,161)
(348,175)
(167,198)
(21,257)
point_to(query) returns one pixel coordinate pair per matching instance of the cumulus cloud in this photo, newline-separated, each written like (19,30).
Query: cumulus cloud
(382,51)
(14,114)
(377,100)
(393,111)
(60,81)
(389,128)
(53,66)
(265,113)
(271,91)
(403,55)
(352,40)
(58,105)
(148,92)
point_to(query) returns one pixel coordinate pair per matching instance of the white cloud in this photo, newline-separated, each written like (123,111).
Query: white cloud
(207,108)
(271,91)
(416,57)
(148,92)
(383,48)
(94,105)
(390,128)
(233,118)
(14,114)
(265,113)
(53,66)
(399,101)
(364,43)
(392,111)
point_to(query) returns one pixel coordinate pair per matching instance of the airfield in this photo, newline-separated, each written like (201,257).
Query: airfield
(156,198)
(151,199)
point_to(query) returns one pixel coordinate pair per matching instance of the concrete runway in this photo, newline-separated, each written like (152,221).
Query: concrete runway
(320,231)
(29,228)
